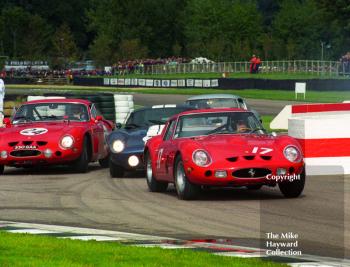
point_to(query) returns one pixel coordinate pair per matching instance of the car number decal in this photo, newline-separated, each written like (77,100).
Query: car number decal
(25,147)
(263,150)
(33,131)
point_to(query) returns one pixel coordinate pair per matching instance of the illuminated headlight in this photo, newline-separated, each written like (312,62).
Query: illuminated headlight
(67,141)
(292,154)
(133,161)
(48,153)
(3,154)
(201,158)
(118,146)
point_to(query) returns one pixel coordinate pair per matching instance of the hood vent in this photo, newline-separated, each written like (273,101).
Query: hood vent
(249,157)
(232,159)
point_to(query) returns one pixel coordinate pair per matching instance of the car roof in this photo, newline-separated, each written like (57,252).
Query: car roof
(59,100)
(165,106)
(212,110)
(208,96)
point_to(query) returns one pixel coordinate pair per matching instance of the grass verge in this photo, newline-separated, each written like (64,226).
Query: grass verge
(29,250)
(311,96)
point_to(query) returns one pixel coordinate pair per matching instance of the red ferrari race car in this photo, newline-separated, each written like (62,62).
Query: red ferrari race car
(225,148)
(55,131)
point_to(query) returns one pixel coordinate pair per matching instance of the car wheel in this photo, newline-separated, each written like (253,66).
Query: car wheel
(254,187)
(81,165)
(104,163)
(185,190)
(293,189)
(153,184)
(2,168)
(115,170)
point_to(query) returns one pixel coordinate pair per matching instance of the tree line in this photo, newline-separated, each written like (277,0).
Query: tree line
(109,31)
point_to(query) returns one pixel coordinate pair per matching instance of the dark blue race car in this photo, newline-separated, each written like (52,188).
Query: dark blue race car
(127,144)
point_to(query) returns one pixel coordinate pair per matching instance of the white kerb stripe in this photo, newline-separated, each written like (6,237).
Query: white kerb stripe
(327,166)
(92,237)
(319,127)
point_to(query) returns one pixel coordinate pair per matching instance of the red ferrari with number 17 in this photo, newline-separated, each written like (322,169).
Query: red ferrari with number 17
(222,147)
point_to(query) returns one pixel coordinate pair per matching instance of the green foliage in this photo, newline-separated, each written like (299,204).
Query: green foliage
(63,46)
(222,30)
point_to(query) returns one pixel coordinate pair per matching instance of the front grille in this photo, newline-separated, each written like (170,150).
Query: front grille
(251,173)
(25,153)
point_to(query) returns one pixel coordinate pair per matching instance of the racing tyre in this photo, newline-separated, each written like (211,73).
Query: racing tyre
(153,184)
(2,168)
(115,170)
(293,189)
(81,165)
(185,190)
(104,163)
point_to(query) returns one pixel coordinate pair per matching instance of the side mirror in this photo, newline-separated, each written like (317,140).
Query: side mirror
(118,125)
(98,118)
(7,122)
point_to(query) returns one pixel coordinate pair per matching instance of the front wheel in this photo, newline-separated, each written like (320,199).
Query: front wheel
(153,184)
(293,189)
(2,168)
(185,190)
(81,165)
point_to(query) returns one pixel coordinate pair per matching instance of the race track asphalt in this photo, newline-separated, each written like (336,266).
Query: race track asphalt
(57,196)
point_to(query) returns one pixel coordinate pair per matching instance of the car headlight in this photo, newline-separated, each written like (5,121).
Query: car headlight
(67,141)
(201,158)
(118,146)
(292,154)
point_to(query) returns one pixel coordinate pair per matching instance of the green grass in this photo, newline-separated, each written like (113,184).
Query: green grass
(29,250)
(273,76)
(311,96)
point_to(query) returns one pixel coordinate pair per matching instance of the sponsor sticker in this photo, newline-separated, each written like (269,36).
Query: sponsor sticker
(33,131)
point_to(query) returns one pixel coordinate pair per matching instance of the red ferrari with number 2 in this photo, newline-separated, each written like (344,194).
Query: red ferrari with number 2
(55,131)
(222,148)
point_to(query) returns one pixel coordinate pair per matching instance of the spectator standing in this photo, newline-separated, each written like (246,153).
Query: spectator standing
(2,95)
(252,64)
(257,64)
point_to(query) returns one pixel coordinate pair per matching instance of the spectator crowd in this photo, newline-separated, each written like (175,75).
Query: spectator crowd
(345,64)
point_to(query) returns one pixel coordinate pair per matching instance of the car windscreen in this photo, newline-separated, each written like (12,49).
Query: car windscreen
(217,123)
(147,117)
(50,112)
(213,103)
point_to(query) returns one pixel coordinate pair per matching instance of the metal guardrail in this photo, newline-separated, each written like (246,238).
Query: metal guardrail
(331,68)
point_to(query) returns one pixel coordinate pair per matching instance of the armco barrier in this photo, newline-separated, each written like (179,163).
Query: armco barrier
(221,83)
(324,134)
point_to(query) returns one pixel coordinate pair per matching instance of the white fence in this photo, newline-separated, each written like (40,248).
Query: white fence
(331,68)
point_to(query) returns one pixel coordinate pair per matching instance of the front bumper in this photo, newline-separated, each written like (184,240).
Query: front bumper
(122,159)
(243,175)
(25,157)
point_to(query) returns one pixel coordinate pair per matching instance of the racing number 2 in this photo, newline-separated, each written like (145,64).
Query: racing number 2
(263,150)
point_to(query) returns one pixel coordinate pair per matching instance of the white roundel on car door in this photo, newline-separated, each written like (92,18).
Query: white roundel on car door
(33,131)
